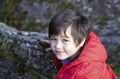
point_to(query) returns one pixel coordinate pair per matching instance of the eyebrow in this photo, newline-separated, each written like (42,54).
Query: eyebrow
(63,36)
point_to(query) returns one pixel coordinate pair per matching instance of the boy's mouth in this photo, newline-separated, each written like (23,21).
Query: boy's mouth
(59,51)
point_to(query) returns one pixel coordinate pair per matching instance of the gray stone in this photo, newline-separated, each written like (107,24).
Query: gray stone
(23,55)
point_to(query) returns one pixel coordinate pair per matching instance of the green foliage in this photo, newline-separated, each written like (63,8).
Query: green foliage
(4,49)
(40,1)
(4,44)
(116,68)
(19,63)
(29,25)
(102,21)
(43,46)
(65,6)
(89,1)
(7,12)
(10,15)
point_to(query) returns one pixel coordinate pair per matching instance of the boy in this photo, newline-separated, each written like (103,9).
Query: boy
(79,53)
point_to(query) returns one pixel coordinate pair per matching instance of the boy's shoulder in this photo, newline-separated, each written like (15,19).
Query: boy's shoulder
(78,69)
(90,70)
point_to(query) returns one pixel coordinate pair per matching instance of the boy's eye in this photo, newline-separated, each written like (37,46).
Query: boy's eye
(65,40)
(52,39)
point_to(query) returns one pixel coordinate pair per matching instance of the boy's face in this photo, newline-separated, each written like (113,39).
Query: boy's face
(64,46)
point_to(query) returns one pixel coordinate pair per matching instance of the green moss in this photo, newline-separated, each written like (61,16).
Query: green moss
(102,21)
(89,1)
(116,68)
(43,46)
(65,6)
(40,1)
(19,63)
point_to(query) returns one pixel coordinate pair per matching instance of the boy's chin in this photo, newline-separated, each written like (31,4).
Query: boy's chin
(61,58)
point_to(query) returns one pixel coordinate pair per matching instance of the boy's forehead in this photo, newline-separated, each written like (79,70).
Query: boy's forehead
(64,33)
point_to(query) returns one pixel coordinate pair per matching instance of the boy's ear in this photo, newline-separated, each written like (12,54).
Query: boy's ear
(82,42)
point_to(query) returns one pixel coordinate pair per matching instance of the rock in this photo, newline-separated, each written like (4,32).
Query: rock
(22,55)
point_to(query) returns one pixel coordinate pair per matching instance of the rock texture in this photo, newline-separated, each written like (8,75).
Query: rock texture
(22,55)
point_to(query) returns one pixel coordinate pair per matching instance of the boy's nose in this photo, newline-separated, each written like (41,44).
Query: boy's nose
(58,45)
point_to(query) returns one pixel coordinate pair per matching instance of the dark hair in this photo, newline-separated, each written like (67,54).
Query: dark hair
(62,20)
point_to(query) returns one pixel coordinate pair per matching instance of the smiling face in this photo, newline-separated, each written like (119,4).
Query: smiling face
(64,46)
(67,32)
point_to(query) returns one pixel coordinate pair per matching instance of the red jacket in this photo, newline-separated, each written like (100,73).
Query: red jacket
(91,64)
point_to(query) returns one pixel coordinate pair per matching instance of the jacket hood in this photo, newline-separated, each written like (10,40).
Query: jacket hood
(93,50)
